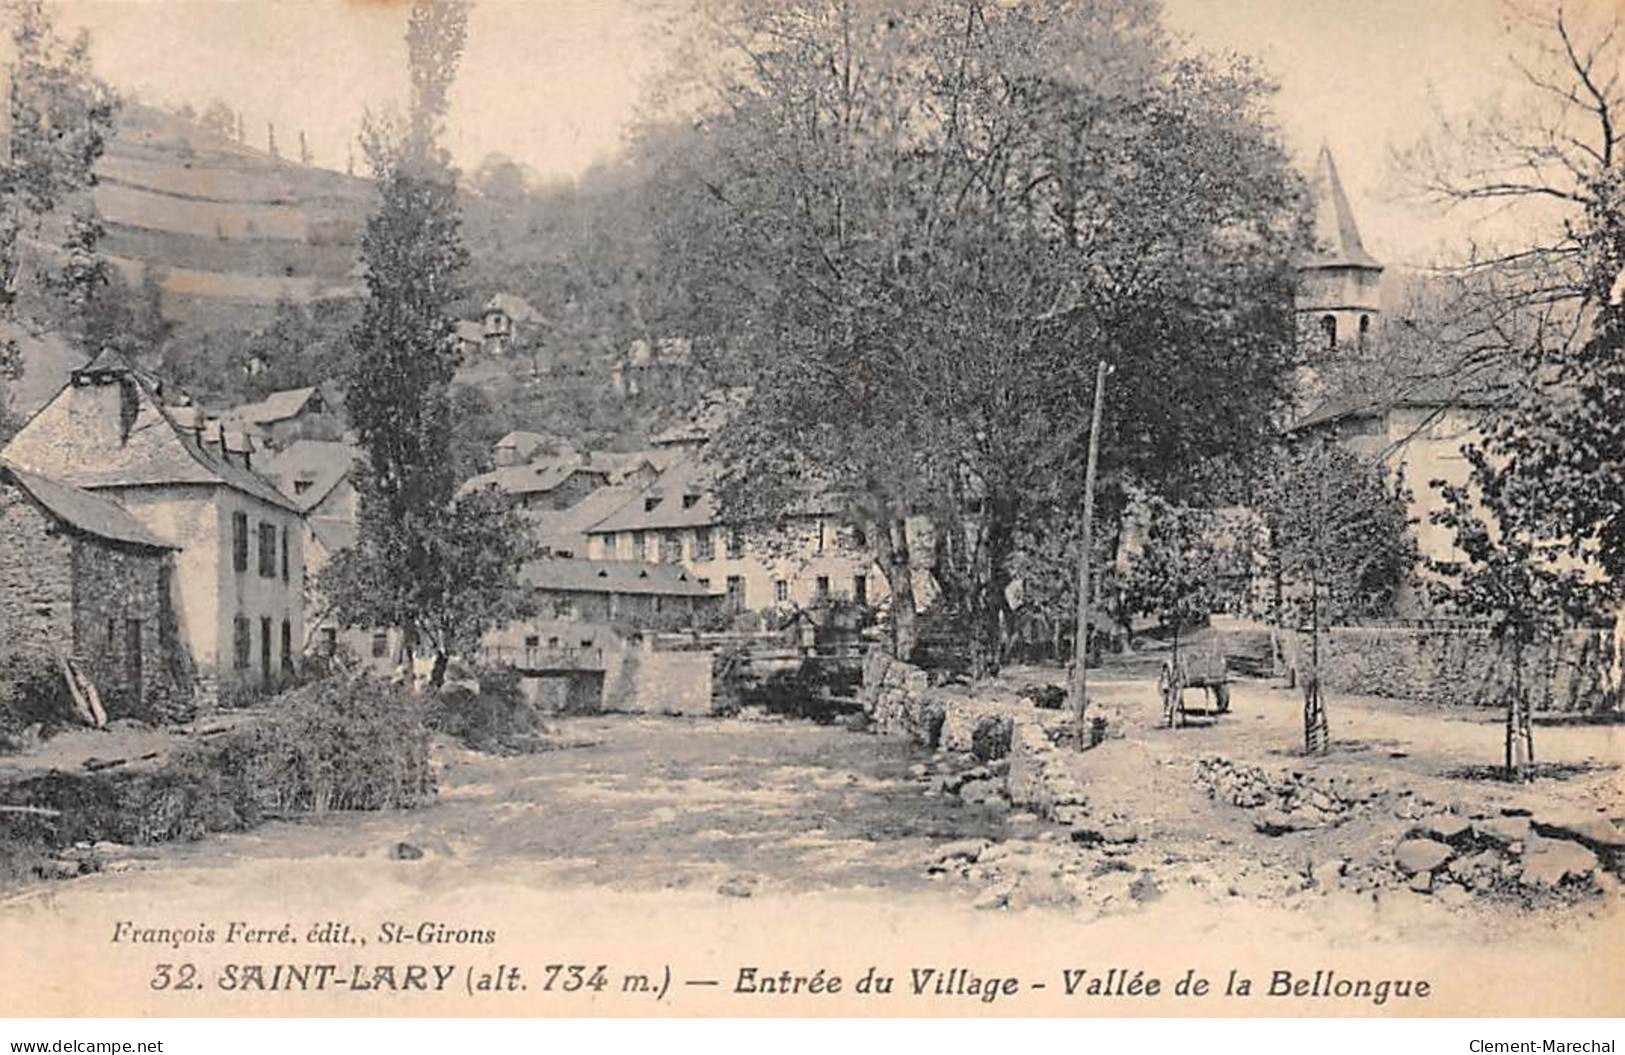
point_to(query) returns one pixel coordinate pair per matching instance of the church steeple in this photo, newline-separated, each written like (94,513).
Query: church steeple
(1339,292)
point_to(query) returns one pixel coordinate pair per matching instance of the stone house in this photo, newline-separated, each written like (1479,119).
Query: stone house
(553,484)
(285,416)
(83,581)
(638,593)
(240,569)
(1418,430)
(810,559)
(499,321)
(521,446)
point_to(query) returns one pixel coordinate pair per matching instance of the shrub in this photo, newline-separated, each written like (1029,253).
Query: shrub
(1045,697)
(32,693)
(338,744)
(805,692)
(497,718)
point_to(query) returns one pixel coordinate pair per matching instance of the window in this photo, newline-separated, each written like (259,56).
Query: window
(1365,329)
(822,588)
(330,640)
(671,547)
(533,641)
(301,486)
(267,551)
(1328,329)
(649,504)
(736,593)
(820,534)
(860,589)
(380,644)
(690,501)
(287,646)
(239,541)
(704,544)
(284,554)
(112,635)
(705,583)
(265,647)
(552,642)
(736,544)
(639,547)
(240,643)
(781,591)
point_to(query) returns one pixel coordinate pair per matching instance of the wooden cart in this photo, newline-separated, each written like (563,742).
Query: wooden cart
(1197,666)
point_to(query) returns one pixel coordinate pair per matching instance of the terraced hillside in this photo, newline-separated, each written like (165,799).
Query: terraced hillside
(227,229)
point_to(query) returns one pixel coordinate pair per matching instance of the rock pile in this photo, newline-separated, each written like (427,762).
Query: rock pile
(1290,801)
(1509,853)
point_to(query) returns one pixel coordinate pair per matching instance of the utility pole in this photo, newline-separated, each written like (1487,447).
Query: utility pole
(1080,651)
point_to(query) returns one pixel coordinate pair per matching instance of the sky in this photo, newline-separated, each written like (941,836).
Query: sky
(555,83)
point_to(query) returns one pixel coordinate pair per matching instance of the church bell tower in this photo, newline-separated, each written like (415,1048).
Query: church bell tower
(1339,291)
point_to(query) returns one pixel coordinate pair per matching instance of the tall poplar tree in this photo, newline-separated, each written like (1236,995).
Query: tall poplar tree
(440,569)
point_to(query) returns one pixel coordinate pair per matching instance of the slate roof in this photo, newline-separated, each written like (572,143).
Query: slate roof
(566,529)
(1337,237)
(621,463)
(472,332)
(1429,391)
(527,443)
(531,478)
(680,498)
(320,463)
(71,438)
(83,511)
(612,576)
(278,406)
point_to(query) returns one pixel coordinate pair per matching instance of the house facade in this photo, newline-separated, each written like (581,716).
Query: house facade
(239,568)
(286,416)
(82,582)
(809,559)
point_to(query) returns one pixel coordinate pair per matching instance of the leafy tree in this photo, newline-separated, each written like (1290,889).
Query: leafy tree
(1339,543)
(466,584)
(435,567)
(1540,522)
(1516,574)
(61,116)
(915,229)
(500,176)
(219,119)
(1176,573)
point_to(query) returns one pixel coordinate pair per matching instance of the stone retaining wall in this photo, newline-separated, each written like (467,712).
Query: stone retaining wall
(901,701)
(1463,667)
